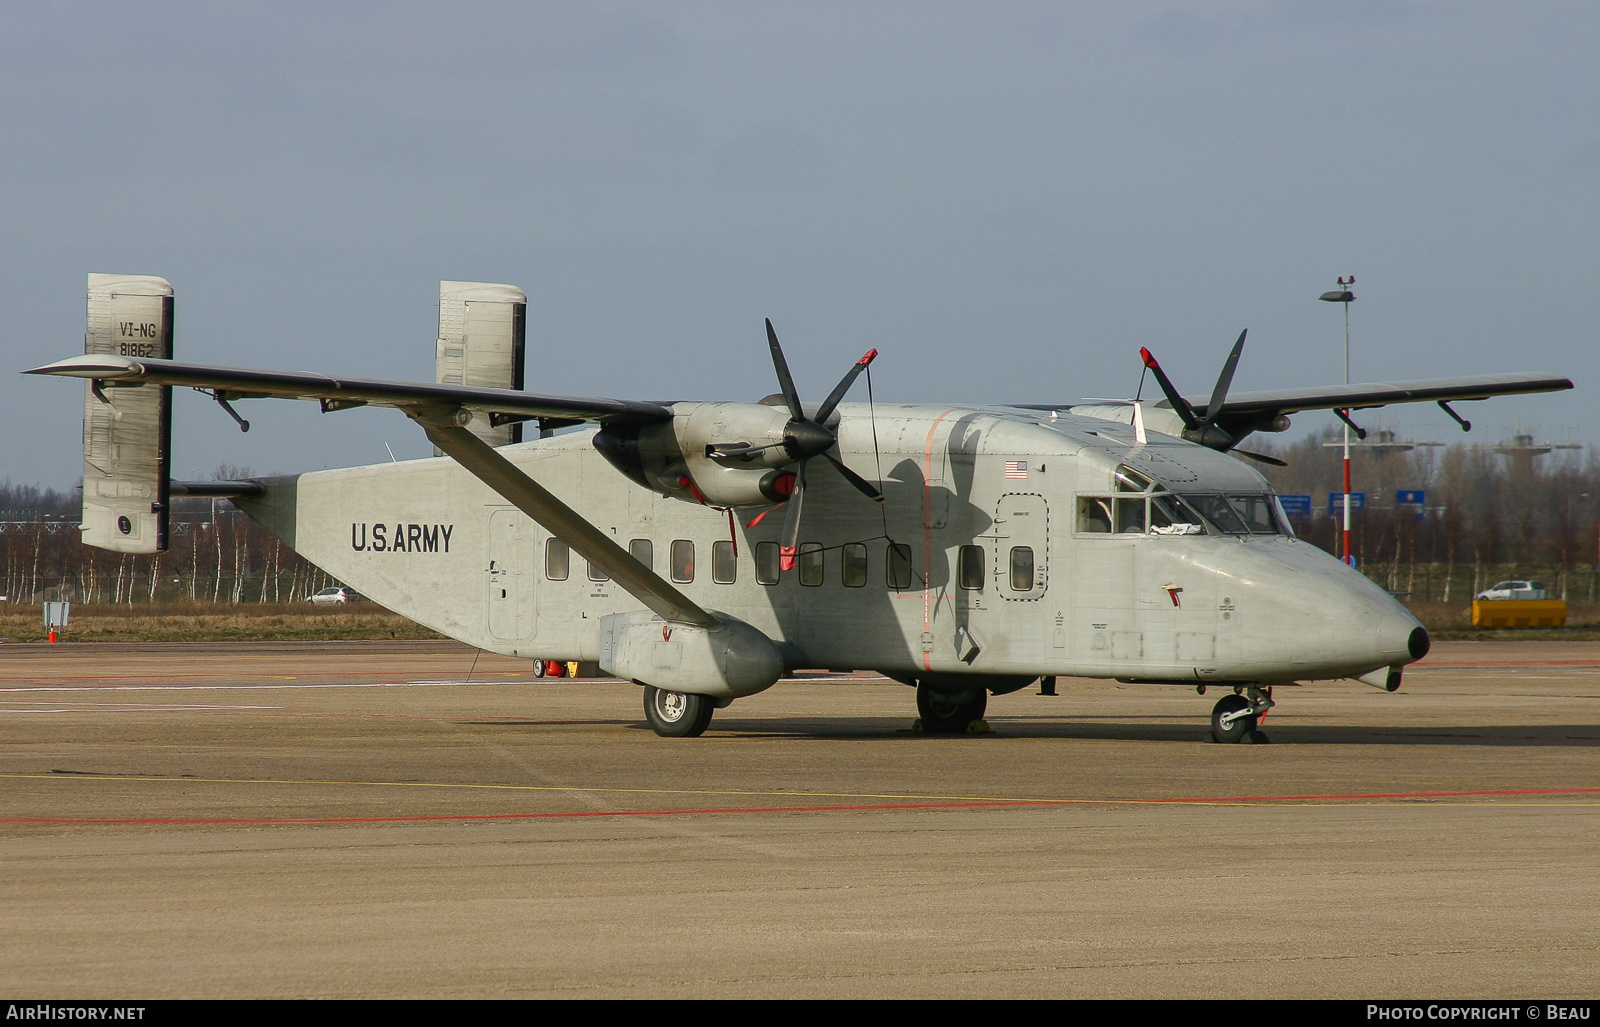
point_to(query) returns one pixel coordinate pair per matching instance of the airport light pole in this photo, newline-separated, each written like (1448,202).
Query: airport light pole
(1344,296)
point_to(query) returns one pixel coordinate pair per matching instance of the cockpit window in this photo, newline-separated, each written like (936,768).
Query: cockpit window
(1256,512)
(1217,512)
(1130,480)
(1251,514)
(1130,513)
(1169,516)
(1094,514)
(1141,505)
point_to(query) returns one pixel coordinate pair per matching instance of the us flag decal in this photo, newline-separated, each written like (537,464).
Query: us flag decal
(1016,468)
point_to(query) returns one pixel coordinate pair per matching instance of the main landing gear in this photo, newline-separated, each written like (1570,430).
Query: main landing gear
(1234,717)
(677,714)
(950,713)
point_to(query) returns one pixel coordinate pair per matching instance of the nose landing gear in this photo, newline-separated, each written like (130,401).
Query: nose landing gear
(1234,718)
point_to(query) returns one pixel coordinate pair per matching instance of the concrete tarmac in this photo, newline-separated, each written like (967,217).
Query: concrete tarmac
(410,819)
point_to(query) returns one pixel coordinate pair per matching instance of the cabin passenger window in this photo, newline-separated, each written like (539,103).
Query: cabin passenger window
(724,565)
(557,560)
(1021,569)
(898,571)
(810,564)
(596,574)
(855,565)
(682,561)
(970,567)
(642,550)
(767,563)
(1094,514)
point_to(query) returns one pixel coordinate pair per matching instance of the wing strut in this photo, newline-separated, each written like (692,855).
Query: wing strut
(486,464)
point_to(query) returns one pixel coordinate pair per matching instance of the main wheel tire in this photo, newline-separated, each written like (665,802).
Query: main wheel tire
(949,713)
(1239,728)
(538,668)
(677,714)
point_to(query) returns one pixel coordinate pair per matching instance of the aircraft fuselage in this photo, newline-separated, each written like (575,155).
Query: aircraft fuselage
(1006,549)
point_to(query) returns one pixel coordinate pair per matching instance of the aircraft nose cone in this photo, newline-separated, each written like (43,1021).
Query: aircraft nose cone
(1401,639)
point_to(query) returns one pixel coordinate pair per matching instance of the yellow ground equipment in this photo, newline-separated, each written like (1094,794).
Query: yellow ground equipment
(1519,613)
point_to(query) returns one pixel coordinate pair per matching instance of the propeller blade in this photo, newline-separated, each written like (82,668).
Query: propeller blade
(715,450)
(844,385)
(785,381)
(789,545)
(865,487)
(1264,458)
(1179,405)
(1225,379)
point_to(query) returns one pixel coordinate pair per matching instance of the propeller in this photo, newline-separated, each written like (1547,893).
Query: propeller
(1262,457)
(1194,429)
(803,438)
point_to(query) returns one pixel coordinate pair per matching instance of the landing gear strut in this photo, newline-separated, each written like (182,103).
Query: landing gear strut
(949,713)
(677,714)
(1234,717)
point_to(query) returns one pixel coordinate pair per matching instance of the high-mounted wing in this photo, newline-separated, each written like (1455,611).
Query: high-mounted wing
(1377,394)
(438,409)
(230,383)
(1247,412)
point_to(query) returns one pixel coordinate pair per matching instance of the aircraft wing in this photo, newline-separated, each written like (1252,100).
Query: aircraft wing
(1251,405)
(334,392)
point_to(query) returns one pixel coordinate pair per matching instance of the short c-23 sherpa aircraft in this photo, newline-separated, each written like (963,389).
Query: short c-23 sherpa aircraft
(962,550)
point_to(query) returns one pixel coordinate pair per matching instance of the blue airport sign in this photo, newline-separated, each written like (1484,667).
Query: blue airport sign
(1296,506)
(1410,497)
(1358,501)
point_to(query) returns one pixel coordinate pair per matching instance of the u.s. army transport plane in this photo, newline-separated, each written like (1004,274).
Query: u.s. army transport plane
(962,550)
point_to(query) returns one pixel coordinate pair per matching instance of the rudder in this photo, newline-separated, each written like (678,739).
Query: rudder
(482,339)
(127,431)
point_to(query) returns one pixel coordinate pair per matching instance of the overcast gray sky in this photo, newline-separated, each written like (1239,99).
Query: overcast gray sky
(1007,200)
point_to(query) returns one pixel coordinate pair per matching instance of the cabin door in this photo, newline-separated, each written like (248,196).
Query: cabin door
(1021,559)
(511,575)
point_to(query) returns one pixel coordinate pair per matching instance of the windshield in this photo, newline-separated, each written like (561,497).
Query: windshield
(1243,514)
(1138,504)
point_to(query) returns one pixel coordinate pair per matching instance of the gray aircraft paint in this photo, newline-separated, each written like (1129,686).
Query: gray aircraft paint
(460,543)
(1259,608)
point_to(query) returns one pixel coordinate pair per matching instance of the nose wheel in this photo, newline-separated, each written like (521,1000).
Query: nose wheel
(1234,718)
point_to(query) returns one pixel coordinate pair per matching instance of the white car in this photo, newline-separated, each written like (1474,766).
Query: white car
(1515,590)
(338,594)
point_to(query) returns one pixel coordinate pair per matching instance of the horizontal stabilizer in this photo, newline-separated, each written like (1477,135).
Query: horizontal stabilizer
(217,489)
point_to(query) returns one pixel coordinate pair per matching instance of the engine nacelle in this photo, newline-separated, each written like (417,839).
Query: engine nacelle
(671,458)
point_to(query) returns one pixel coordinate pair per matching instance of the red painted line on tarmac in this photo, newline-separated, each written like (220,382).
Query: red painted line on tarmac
(1203,800)
(1375,795)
